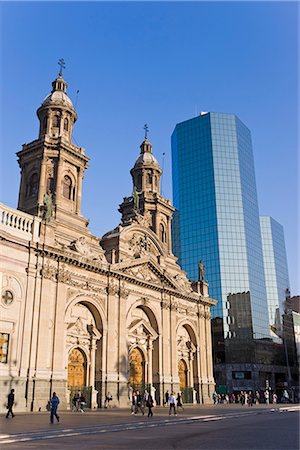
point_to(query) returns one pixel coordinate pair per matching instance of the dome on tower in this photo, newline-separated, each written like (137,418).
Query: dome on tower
(58,95)
(146,156)
(58,98)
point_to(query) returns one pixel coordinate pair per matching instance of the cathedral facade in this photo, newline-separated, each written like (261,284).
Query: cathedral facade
(88,314)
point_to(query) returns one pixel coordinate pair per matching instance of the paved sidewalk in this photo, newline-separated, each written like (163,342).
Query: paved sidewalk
(39,421)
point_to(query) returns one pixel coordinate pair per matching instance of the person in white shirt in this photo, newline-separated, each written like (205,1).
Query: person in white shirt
(172,403)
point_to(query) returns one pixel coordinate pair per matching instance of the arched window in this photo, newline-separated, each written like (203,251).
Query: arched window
(66,125)
(149,178)
(162,233)
(33,185)
(50,185)
(67,187)
(55,121)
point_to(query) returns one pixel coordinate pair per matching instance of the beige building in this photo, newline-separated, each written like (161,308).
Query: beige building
(89,314)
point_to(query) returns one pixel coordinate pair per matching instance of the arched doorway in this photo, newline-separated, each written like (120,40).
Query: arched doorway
(137,368)
(76,369)
(182,373)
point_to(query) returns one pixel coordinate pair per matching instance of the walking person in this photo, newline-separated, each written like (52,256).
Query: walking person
(172,403)
(54,405)
(166,398)
(149,404)
(82,403)
(267,397)
(10,403)
(179,402)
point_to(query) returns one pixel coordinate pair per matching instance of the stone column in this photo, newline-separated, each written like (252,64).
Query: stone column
(150,354)
(79,190)
(191,370)
(58,188)
(165,346)
(173,347)
(92,372)
(203,355)
(112,343)
(123,346)
(42,184)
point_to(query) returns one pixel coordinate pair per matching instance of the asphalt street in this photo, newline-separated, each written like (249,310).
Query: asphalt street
(197,427)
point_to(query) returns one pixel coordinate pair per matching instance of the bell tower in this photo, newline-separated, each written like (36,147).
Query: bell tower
(147,205)
(52,167)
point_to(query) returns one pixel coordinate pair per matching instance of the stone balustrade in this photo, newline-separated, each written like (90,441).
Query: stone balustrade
(19,223)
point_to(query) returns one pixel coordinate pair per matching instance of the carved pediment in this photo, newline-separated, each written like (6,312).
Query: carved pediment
(77,328)
(144,273)
(140,330)
(85,249)
(146,270)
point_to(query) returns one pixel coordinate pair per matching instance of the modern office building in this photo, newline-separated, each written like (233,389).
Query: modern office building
(217,221)
(276,270)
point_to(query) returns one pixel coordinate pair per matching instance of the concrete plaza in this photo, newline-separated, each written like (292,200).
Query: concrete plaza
(205,427)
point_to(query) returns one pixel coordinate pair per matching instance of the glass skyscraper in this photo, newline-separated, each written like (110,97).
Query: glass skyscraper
(217,218)
(276,269)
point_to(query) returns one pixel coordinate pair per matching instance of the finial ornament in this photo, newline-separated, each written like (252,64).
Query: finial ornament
(62,64)
(146,130)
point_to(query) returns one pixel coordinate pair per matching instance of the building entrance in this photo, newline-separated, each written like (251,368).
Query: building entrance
(76,368)
(137,367)
(182,373)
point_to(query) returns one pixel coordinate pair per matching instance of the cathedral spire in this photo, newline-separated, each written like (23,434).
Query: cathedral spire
(146,204)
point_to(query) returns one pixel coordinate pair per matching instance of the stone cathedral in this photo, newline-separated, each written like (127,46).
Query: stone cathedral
(98,315)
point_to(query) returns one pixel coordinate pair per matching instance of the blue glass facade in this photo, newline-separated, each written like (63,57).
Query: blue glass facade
(214,190)
(276,269)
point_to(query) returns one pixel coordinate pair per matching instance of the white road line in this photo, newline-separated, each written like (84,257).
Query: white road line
(69,432)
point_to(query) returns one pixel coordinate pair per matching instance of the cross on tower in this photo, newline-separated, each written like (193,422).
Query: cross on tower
(146,130)
(62,64)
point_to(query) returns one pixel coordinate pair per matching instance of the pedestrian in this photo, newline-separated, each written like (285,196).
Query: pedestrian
(172,403)
(166,398)
(179,402)
(250,399)
(108,398)
(257,397)
(10,403)
(146,395)
(74,404)
(149,404)
(54,405)
(137,403)
(267,396)
(82,403)
(275,397)
(215,397)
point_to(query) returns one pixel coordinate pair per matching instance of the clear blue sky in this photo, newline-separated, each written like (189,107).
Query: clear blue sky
(159,63)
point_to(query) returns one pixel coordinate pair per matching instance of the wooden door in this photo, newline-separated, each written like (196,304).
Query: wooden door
(76,368)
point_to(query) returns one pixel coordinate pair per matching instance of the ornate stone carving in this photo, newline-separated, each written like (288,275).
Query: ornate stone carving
(84,248)
(49,272)
(183,282)
(138,245)
(112,288)
(165,304)
(144,220)
(144,273)
(123,292)
(63,276)
(174,305)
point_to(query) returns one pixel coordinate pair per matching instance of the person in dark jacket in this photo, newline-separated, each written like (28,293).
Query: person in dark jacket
(10,403)
(149,404)
(54,405)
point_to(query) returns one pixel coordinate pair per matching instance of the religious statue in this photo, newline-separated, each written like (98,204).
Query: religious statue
(47,206)
(136,199)
(200,271)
